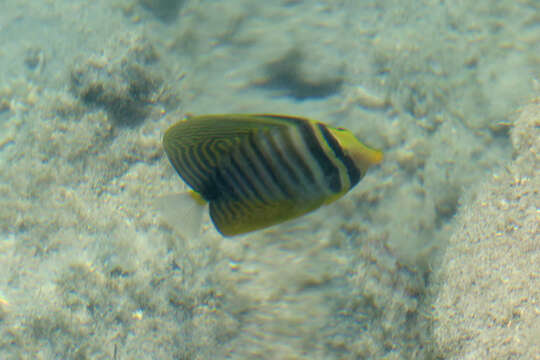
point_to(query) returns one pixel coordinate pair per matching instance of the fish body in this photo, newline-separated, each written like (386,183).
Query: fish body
(259,170)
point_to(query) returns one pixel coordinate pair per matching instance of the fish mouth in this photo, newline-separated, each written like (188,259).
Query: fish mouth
(367,157)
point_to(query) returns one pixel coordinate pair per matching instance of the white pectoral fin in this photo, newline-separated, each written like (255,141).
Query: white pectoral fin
(182,213)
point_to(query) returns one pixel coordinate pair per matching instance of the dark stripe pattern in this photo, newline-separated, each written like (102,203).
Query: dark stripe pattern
(252,168)
(352,170)
(257,170)
(298,159)
(307,131)
(330,170)
(270,167)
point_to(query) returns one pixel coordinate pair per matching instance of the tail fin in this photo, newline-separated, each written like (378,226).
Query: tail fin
(183,212)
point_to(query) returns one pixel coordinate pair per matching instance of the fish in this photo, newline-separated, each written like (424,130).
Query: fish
(259,170)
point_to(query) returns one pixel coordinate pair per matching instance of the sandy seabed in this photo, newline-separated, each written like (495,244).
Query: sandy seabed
(434,255)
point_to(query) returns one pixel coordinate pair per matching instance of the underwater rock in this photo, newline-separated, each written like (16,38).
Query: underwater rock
(165,10)
(487,306)
(125,86)
(296,76)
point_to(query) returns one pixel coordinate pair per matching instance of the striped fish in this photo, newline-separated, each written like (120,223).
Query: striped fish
(260,170)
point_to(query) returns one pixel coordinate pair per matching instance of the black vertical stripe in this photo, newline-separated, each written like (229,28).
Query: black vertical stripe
(194,164)
(227,212)
(254,171)
(228,184)
(329,169)
(228,190)
(280,155)
(219,214)
(248,180)
(269,167)
(176,157)
(240,191)
(297,158)
(353,171)
(202,176)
